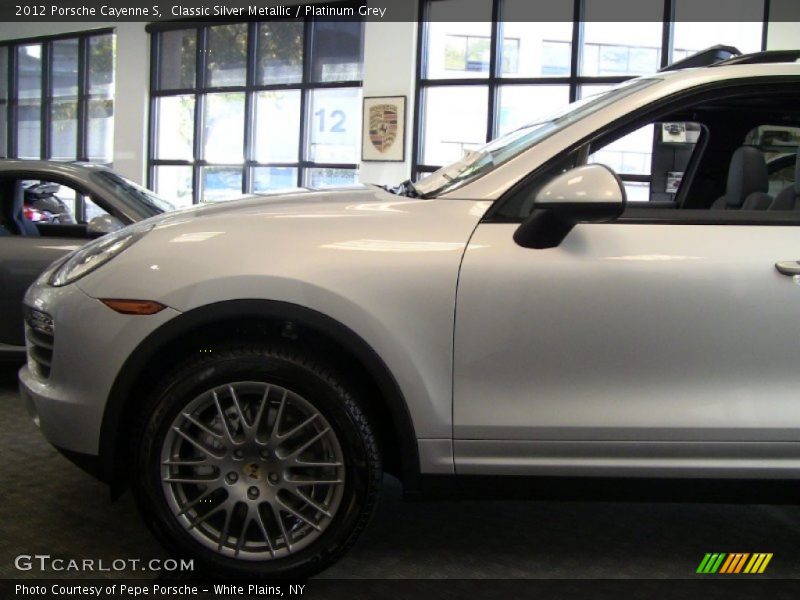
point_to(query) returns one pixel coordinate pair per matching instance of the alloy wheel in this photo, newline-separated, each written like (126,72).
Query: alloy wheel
(252,470)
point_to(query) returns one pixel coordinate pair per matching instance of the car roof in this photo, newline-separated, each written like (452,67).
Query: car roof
(73,169)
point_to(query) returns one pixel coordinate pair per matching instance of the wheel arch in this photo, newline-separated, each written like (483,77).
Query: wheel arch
(264,319)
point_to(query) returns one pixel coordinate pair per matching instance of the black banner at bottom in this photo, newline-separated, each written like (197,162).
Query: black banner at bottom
(389,589)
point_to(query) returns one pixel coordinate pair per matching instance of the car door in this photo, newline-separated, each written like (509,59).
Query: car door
(22,259)
(659,345)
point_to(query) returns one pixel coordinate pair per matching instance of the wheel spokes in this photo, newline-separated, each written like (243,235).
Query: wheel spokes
(247,494)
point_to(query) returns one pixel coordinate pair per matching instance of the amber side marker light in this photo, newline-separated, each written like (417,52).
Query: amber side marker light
(133,307)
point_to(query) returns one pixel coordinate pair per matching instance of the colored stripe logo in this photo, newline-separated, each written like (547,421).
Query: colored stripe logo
(734,563)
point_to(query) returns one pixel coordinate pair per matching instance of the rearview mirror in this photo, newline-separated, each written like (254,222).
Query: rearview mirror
(100,226)
(586,194)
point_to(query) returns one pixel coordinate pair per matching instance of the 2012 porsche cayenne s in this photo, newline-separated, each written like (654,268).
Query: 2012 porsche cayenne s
(252,368)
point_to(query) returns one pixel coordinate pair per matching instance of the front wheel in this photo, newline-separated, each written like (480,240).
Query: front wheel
(256,462)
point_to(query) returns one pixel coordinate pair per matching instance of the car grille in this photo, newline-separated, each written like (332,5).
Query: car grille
(40,333)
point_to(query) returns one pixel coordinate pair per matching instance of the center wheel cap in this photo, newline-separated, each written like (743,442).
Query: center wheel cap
(252,471)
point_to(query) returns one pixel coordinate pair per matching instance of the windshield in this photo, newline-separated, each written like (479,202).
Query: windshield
(136,198)
(477,163)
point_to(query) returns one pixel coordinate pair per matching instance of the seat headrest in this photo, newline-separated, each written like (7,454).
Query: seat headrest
(797,173)
(747,174)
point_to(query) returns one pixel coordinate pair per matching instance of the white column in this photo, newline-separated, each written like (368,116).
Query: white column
(390,55)
(132,81)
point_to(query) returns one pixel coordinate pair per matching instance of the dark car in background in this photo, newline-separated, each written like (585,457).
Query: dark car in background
(48,209)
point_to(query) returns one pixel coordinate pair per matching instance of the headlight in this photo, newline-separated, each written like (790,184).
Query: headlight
(96,253)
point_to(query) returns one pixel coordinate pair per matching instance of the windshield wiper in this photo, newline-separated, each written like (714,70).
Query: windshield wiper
(404,189)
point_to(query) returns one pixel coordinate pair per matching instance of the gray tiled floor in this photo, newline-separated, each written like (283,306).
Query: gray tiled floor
(48,506)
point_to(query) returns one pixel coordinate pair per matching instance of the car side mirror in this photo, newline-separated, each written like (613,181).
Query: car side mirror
(103,224)
(586,194)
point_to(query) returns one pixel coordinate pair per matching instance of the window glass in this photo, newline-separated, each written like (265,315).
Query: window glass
(29,107)
(487,157)
(607,53)
(780,144)
(223,137)
(522,104)
(174,184)
(101,65)
(29,124)
(277,132)
(326,178)
(337,48)
(276,136)
(3,130)
(334,125)
(92,210)
(64,129)
(65,67)
(535,47)
(742,27)
(227,55)
(270,179)
(29,71)
(637,191)
(221,183)
(630,155)
(100,130)
(49,202)
(690,38)
(280,53)
(651,160)
(174,127)
(177,58)
(3,72)
(457,48)
(613,48)
(47,99)
(454,122)
(64,106)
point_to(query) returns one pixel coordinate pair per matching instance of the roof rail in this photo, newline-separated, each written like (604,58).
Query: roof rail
(768,56)
(705,58)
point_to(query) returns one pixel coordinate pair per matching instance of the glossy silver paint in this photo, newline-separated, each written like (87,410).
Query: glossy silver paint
(361,251)
(587,184)
(629,349)
(625,333)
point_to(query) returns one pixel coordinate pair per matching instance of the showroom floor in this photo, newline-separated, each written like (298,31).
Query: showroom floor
(51,507)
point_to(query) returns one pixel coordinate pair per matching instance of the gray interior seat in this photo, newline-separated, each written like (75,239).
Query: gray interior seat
(13,213)
(748,182)
(789,197)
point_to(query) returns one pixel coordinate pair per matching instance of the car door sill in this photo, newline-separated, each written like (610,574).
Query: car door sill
(692,459)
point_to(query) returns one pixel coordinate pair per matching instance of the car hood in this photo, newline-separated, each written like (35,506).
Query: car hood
(304,201)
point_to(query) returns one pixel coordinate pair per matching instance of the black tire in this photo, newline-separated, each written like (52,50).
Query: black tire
(292,370)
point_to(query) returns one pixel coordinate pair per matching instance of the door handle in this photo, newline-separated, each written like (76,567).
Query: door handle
(788,267)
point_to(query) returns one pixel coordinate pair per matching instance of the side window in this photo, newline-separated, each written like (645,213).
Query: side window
(779,143)
(48,202)
(92,210)
(652,160)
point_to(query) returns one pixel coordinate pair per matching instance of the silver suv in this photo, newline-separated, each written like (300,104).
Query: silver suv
(252,368)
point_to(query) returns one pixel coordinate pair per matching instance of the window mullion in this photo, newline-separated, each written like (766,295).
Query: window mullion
(47,93)
(199,111)
(83,100)
(494,50)
(577,38)
(304,101)
(249,107)
(666,32)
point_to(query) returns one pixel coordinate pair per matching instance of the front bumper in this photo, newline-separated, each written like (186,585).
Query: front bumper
(91,344)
